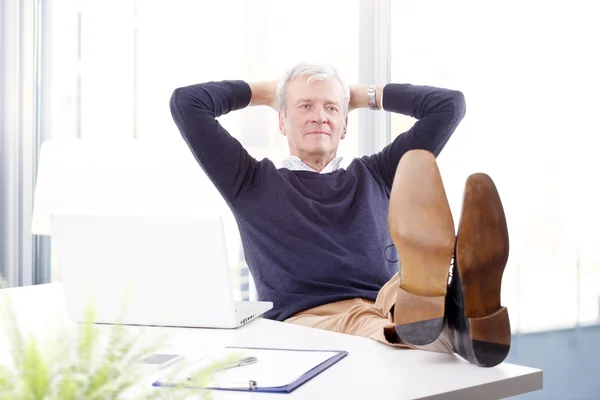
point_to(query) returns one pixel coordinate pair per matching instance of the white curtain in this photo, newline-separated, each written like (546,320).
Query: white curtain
(23,258)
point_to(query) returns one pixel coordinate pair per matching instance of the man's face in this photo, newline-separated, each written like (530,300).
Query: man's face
(314,120)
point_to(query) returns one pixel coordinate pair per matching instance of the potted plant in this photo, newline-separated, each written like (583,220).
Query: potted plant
(81,364)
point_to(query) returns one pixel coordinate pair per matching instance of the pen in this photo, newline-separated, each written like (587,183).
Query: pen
(250,385)
(240,363)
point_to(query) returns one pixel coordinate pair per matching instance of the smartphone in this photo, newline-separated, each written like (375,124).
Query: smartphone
(160,361)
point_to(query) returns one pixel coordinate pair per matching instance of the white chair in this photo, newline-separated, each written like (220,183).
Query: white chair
(126,177)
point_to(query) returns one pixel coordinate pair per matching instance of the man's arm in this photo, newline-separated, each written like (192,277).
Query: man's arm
(222,157)
(359,97)
(438,111)
(263,94)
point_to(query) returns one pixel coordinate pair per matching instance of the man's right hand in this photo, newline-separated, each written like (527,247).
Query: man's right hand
(264,94)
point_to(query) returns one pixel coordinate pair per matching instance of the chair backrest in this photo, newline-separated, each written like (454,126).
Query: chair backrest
(131,177)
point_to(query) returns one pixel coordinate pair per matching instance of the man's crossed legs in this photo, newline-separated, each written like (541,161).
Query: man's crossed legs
(418,308)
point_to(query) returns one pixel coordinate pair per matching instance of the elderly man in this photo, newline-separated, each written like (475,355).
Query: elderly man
(318,238)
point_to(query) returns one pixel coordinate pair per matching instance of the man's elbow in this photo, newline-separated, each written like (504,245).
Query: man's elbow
(180,102)
(176,98)
(459,104)
(179,105)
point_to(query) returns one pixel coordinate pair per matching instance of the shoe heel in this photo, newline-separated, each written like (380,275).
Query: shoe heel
(422,320)
(490,338)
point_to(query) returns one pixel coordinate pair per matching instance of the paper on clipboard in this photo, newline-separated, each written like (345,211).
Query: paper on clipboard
(275,367)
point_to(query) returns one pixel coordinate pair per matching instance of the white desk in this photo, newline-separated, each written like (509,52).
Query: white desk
(371,370)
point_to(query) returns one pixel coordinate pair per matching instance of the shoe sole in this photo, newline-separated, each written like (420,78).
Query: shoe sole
(482,248)
(422,229)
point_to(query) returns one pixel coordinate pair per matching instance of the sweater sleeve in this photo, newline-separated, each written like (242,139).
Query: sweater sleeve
(438,112)
(195,110)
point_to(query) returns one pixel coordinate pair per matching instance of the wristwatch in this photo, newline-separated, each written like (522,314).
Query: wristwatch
(371,98)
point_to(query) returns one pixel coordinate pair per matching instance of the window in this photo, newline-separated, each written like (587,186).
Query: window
(117,62)
(530,119)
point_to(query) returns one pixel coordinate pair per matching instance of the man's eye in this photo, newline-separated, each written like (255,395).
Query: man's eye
(333,108)
(304,106)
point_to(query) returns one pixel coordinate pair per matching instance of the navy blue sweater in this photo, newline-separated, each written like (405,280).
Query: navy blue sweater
(309,238)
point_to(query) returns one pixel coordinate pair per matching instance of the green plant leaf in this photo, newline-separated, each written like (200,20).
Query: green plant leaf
(7,384)
(67,388)
(86,363)
(35,371)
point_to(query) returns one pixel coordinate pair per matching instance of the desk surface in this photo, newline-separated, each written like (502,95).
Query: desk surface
(371,369)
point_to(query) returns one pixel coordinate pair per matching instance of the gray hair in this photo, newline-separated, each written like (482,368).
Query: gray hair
(313,72)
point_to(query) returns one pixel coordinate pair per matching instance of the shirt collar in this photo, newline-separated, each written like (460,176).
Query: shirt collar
(294,163)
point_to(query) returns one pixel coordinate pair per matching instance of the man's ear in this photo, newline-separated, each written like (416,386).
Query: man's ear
(281,124)
(345,127)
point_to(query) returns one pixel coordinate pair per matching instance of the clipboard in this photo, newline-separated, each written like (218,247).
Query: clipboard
(248,382)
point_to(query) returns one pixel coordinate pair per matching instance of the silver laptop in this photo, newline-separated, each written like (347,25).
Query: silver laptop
(152,271)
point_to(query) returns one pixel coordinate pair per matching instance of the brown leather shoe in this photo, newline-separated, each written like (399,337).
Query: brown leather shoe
(422,229)
(479,323)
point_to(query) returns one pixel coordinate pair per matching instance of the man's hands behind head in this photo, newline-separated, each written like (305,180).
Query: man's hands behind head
(265,94)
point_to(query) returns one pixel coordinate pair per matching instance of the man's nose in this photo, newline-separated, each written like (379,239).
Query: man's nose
(320,115)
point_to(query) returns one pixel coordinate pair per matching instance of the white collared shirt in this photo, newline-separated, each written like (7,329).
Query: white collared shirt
(294,163)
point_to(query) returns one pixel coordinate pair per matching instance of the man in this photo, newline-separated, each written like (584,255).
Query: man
(316,237)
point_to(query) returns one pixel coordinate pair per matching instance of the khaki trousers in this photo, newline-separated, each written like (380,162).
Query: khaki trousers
(374,320)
